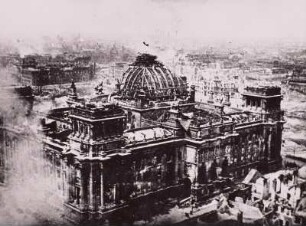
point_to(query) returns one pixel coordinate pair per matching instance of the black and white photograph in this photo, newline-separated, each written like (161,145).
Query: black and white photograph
(152,112)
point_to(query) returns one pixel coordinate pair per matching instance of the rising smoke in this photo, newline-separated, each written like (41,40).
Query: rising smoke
(30,194)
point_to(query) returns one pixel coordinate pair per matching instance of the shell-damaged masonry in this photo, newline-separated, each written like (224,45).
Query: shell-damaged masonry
(116,158)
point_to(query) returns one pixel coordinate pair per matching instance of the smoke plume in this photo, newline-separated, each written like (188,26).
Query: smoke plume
(30,193)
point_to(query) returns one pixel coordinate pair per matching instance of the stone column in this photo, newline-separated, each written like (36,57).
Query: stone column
(183,158)
(278,144)
(91,127)
(263,104)
(91,187)
(82,185)
(66,183)
(115,193)
(264,143)
(101,187)
(176,165)
(78,128)
(211,97)
(195,184)
(88,132)
(269,143)
(71,181)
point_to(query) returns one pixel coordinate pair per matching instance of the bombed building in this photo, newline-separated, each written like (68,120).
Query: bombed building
(151,141)
(37,70)
(16,105)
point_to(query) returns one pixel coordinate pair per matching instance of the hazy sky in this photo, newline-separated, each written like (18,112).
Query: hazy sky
(190,20)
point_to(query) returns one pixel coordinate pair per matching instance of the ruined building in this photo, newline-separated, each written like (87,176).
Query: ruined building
(37,70)
(152,142)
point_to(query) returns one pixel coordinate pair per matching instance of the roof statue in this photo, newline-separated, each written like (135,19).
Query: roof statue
(99,89)
(73,90)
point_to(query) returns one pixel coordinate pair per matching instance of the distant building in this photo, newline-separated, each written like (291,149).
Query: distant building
(297,81)
(213,82)
(39,70)
(117,69)
(217,91)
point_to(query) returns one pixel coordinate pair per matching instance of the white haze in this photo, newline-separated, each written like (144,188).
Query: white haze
(30,195)
(168,21)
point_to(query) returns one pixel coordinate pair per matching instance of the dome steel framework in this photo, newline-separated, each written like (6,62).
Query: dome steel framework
(149,77)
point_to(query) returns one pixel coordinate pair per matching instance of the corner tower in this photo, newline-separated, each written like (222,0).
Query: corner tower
(265,102)
(96,130)
(97,133)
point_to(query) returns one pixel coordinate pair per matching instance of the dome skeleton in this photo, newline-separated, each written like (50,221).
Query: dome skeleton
(151,77)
